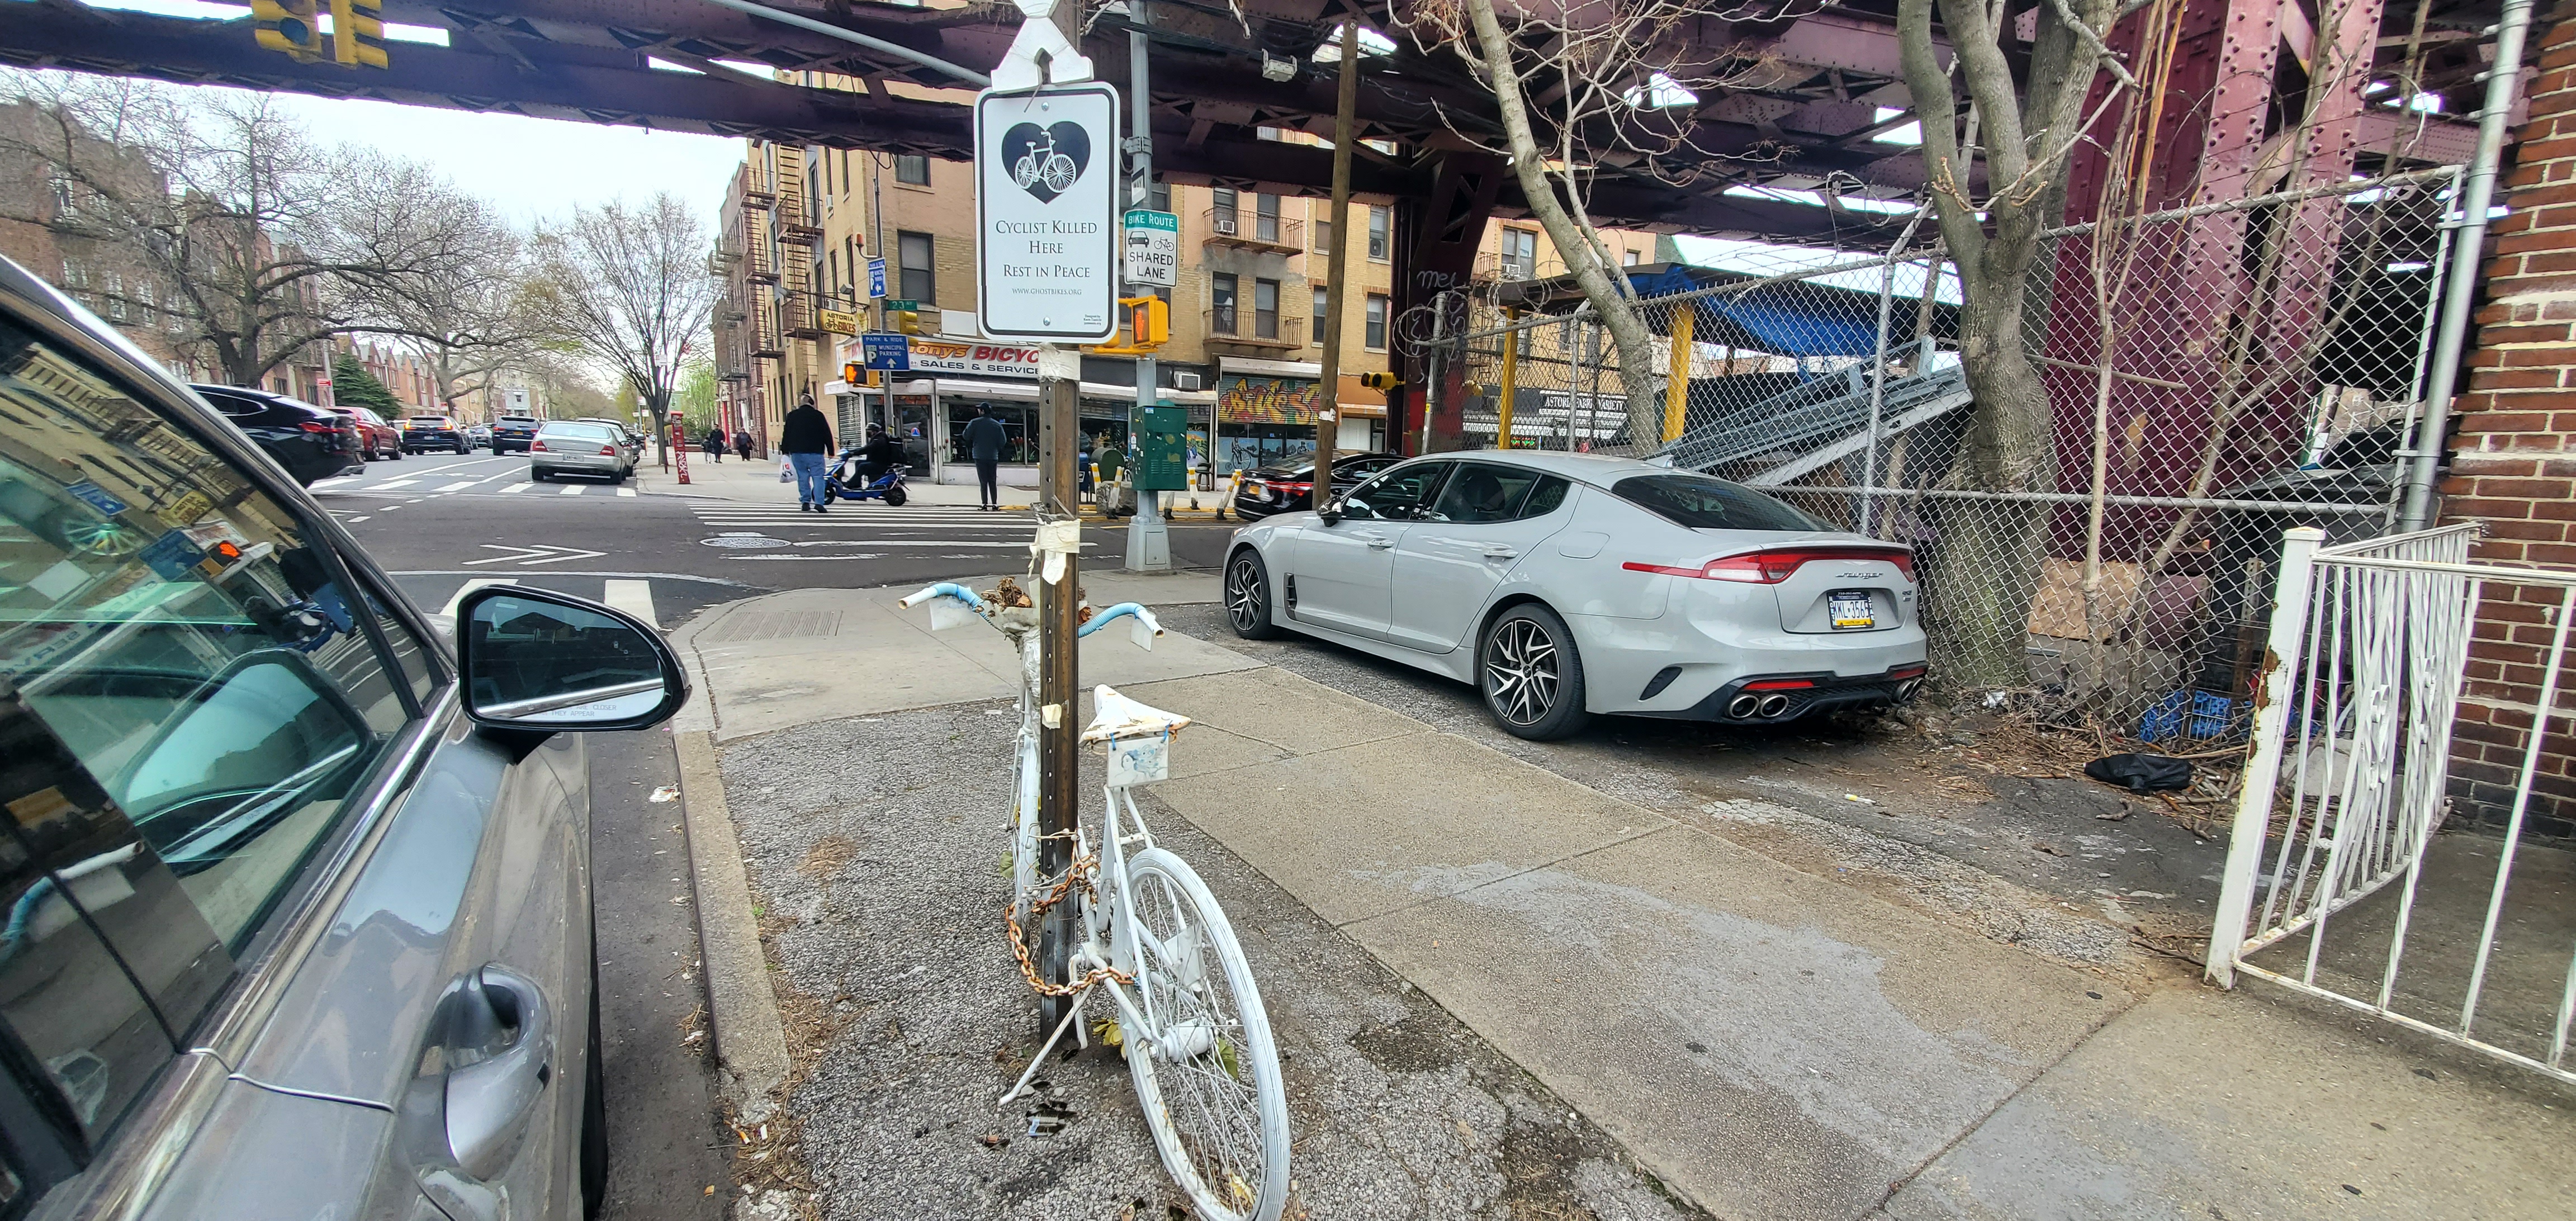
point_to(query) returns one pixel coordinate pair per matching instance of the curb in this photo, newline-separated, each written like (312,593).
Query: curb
(743,1021)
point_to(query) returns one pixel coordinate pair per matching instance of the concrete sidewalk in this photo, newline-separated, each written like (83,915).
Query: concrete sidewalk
(1772,1042)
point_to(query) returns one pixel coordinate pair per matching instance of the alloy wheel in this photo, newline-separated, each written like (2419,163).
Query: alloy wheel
(1521,671)
(1244,595)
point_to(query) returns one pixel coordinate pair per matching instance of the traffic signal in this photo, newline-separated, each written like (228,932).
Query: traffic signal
(850,373)
(1149,321)
(1380,381)
(358,33)
(907,321)
(287,25)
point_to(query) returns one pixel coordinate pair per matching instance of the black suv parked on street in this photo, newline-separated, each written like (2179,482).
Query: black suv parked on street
(310,442)
(512,433)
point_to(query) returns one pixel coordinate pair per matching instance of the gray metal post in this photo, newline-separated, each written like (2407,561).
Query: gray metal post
(1149,544)
(2467,259)
(1878,370)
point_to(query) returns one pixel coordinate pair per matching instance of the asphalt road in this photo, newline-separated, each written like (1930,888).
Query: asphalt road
(441,524)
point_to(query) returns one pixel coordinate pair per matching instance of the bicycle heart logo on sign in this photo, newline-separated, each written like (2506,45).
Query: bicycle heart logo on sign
(1045,161)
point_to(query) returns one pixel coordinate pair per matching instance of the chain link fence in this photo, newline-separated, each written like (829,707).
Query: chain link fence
(2211,376)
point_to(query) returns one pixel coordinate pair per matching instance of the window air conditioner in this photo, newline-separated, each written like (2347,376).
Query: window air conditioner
(1185,381)
(1225,226)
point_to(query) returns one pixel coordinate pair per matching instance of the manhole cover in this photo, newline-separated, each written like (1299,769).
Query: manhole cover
(743,540)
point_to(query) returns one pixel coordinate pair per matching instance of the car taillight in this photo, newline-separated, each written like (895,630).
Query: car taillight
(608,450)
(310,426)
(1297,487)
(1773,567)
(536,447)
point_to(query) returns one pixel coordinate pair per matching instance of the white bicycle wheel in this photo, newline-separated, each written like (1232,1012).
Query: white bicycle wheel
(1025,170)
(1058,172)
(1209,1075)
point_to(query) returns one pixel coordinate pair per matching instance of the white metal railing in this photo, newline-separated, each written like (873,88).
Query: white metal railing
(2369,648)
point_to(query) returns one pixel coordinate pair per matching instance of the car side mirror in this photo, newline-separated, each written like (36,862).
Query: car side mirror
(1332,510)
(541,662)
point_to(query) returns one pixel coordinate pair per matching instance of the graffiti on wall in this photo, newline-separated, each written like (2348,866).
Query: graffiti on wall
(1266,400)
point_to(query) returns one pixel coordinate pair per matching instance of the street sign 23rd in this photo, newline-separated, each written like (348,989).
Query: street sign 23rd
(1046,184)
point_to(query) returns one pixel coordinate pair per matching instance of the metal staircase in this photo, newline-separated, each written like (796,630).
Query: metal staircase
(1816,423)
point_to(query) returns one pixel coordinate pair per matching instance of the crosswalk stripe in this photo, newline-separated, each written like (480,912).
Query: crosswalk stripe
(392,484)
(633,597)
(459,485)
(625,491)
(471,584)
(517,487)
(574,490)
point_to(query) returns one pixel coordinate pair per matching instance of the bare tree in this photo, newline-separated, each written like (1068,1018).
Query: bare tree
(1584,91)
(2025,125)
(629,287)
(259,241)
(469,316)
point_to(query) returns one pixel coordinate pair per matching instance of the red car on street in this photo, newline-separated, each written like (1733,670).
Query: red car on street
(376,438)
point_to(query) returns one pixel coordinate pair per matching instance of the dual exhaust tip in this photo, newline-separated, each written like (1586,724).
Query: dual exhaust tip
(1746,707)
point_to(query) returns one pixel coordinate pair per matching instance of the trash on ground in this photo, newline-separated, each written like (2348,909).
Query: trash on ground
(668,792)
(2141,773)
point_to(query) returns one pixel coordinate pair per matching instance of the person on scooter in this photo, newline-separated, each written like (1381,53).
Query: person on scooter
(878,456)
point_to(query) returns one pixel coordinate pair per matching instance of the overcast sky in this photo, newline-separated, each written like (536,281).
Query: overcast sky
(533,168)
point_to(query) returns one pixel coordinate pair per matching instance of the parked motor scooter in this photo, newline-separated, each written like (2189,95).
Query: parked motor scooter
(842,482)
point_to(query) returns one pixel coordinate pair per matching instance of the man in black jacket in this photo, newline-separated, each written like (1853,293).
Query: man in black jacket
(984,439)
(806,439)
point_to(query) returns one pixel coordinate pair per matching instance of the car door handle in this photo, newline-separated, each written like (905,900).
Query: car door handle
(1496,551)
(1377,542)
(500,1043)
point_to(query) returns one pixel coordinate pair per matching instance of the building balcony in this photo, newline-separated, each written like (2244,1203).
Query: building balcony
(1255,231)
(1242,328)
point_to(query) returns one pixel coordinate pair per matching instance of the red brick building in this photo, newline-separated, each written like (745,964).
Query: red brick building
(2513,466)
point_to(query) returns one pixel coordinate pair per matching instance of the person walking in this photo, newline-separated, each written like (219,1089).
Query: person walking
(714,444)
(984,439)
(742,443)
(806,439)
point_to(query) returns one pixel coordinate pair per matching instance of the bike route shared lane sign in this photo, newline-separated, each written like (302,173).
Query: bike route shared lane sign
(1046,182)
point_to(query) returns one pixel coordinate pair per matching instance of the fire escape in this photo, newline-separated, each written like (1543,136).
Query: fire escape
(759,270)
(797,230)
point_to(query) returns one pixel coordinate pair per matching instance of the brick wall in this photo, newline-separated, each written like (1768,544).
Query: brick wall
(2512,466)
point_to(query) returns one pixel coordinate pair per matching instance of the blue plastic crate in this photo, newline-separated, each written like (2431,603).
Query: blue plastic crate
(2195,714)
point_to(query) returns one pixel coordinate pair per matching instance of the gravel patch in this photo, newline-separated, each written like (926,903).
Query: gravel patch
(877,847)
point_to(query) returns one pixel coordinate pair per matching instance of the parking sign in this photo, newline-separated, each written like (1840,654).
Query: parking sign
(1046,182)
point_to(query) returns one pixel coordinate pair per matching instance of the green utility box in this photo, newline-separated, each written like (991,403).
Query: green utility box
(1162,449)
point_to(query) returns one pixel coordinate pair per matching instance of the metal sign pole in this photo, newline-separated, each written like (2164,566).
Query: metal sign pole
(1149,544)
(1328,399)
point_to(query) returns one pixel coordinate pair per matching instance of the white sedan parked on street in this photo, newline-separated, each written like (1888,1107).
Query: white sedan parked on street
(1565,585)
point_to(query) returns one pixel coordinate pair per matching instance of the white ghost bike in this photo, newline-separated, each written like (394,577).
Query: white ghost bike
(1189,1018)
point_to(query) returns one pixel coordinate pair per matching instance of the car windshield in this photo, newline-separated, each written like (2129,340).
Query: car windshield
(590,432)
(1705,502)
(429,421)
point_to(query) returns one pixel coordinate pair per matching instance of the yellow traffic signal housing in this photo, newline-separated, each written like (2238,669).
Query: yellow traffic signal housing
(906,321)
(289,26)
(1380,381)
(358,33)
(1149,321)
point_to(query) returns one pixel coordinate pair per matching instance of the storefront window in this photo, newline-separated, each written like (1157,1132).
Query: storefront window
(1019,430)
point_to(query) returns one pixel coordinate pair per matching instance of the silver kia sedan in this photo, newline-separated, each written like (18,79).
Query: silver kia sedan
(574,447)
(298,897)
(1565,585)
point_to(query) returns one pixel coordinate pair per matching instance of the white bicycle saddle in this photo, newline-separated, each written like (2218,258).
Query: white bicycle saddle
(1116,716)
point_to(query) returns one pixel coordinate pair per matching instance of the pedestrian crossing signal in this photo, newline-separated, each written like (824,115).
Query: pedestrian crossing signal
(358,33)
(1380,381)
(289,26)
(850,373)
(1149,321)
